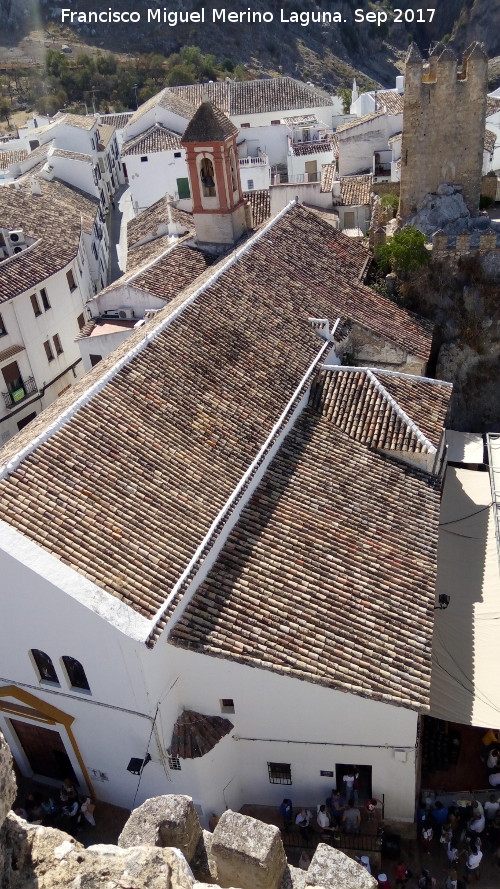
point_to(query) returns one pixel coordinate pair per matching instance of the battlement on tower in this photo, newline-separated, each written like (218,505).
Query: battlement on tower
(444,112)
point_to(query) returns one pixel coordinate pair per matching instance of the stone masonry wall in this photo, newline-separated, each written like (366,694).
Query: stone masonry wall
(443,125)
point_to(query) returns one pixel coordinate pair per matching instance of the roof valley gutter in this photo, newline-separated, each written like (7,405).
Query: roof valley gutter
(11,465)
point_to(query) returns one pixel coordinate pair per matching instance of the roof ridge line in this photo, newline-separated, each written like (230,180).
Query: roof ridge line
(400,412)
(94,389)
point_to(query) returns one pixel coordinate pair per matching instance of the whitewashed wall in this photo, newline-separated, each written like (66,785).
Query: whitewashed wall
(151,179)
(357,145)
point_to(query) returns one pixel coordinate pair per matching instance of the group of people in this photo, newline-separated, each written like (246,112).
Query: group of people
(67,811)
(465,832)
(338,814)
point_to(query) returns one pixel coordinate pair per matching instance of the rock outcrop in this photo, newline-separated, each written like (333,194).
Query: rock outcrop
(154,848)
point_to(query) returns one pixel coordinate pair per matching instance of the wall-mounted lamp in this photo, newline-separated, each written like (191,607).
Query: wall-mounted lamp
(136,765)
(444,601)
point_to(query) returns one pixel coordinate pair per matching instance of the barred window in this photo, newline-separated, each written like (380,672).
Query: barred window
(174,763)
(279,772)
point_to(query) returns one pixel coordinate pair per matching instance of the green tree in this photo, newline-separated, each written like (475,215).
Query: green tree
(180,75)
(346,96)
(5,111)
(389,200)
(240,73)
(404,253)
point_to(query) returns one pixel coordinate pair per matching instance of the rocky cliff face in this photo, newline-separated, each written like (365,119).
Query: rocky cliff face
(328,54)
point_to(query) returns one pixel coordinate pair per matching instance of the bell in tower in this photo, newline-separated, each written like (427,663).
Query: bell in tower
(214,177)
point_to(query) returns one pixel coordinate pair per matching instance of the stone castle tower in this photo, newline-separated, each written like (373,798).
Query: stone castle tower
(443,124)
(214,177)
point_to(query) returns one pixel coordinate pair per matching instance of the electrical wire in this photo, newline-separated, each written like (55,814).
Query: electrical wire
(469,516)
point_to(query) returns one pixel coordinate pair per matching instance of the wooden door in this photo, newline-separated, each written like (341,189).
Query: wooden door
(44,750)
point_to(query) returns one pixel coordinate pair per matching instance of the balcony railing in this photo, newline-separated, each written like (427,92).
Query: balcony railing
(260,160)
(27,387)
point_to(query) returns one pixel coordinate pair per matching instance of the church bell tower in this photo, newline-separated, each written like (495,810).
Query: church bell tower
(214,177)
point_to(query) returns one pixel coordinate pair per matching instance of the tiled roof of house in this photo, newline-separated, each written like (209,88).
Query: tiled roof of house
(170,100)
(157,138)
(181,419)
(118,121)
(256,96)
(12,157)
(396,138)
(301,120)
(359,121)
(196,734)
(329,575)
(384,410)
(319,147)
(492,105)
(72,155)
(260,202)
(81,121)
(54,220)
(327,177)
(148,222)
(106,133)
(356,190)
(489,141)
(390,101)
(208,124)
(174,271)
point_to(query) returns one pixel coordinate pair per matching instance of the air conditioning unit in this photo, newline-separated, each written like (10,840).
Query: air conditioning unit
(18,249)
(123,314)
(16,236)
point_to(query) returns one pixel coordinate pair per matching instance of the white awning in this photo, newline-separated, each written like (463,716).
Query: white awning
(464,447)
(465,686)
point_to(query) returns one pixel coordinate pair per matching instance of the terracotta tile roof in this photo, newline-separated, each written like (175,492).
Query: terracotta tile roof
(106,133)
(157,138)
(81,121)
(327,177)
(12,157)
(72,155)
(10,352)
(390,101)
(174,272)
(304,120)
(118,121)
(260,202)
(389,411)
(208,124)
(53,219)
(256,96)
(356,190)
(301,148)
(329,575)
(148,222)
(492,105)
(169,99)
(182,418)
(489,141)
(359,121)
(195,734)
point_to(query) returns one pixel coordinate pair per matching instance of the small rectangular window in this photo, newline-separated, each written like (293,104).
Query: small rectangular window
(81,321)
(325,773)
(57,344)
(275,123)
(177,154)
(183,188)
(279,773)
(3,329)
(34,304)
(48,350)
(143,160)
(249,184)
(174,763)
(71,280)
(45,299)
(226,705)
(244,125)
